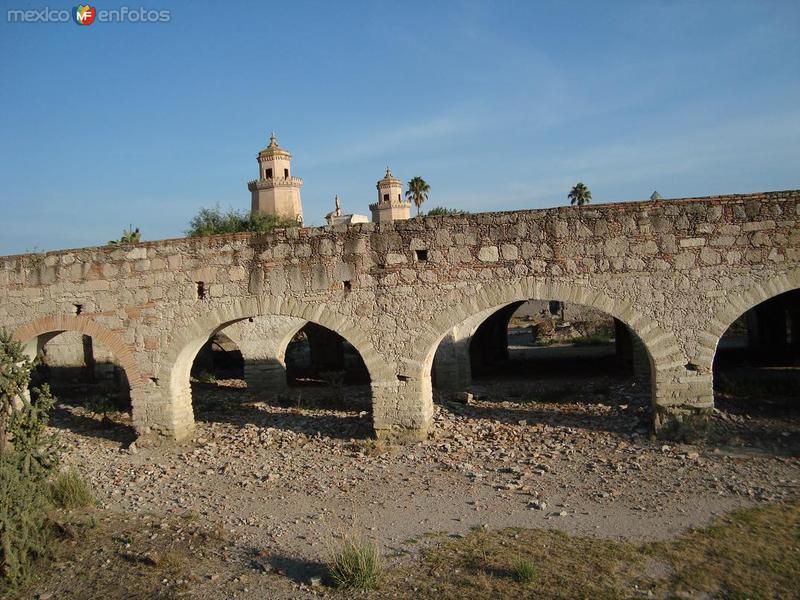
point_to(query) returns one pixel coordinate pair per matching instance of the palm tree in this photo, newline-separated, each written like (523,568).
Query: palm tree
(418,192)
(579,195)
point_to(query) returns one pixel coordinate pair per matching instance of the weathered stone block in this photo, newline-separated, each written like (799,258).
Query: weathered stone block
(488,254)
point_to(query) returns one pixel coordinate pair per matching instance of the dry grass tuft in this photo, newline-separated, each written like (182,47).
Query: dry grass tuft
(356,565)
(70,490)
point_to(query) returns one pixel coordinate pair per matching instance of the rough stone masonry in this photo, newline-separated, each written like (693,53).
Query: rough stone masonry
(676,272)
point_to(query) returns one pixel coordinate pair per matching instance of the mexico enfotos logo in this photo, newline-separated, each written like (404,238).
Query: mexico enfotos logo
(85,14)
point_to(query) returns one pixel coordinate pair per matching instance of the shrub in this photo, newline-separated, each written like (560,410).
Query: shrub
(438,211)
(523,570)
(100,406)
(36,453)
(129,236)
(27,457)
(356,565)
(23,422)
(25,531)
(15,377)
(206,377)
(70,490)
(212,221)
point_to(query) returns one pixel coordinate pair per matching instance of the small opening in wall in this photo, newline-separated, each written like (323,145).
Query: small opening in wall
(250,319)
(347,286)
(692,367)
(422,255)
(201,290)
(386,197)
(402,377)
(78,308)
(286,173)
(154,380)
(268,174)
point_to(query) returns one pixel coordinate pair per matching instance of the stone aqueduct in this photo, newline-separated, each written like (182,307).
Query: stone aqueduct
(677,273)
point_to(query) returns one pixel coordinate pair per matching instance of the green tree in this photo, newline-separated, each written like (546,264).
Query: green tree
(418,192)
(129,236)
(438,211)
(579,195)
(213,221)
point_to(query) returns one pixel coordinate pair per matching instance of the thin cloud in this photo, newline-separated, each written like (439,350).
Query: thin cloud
(386,143)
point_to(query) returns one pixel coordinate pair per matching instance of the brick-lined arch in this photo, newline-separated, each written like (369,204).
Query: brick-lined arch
(29,333)
(187,339)
(734,306)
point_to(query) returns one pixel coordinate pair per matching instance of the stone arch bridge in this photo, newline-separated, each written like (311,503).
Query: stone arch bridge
(677,273)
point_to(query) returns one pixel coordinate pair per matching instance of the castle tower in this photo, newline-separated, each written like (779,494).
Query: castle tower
(390,205)
(276,192)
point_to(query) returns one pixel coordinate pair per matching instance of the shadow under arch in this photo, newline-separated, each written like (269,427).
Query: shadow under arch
(661,346)
(176,366)
(735,305)
(756,368)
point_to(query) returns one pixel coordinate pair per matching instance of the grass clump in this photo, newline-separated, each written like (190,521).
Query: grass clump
(70,490)
(523,570)
(372,447)
(594,339)
(356,564)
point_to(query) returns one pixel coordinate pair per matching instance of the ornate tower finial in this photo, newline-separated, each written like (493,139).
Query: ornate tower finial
(338,210)
(273,141)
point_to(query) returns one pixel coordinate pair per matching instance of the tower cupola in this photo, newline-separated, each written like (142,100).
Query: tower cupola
(390,205)
(276,191)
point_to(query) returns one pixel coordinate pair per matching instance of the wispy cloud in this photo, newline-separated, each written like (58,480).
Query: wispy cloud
(385,143)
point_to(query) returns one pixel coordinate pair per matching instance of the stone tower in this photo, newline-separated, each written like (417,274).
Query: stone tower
(276,192)
(390,205)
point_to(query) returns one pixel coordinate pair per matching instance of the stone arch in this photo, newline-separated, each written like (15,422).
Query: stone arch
(662,348)
(664,354)
(263,341)
(178,357)
(735,305)
(34,334)
(239,337)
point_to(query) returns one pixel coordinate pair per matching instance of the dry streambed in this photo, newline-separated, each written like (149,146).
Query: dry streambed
(283,484)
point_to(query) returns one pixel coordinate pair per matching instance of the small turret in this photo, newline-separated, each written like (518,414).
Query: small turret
(390,205)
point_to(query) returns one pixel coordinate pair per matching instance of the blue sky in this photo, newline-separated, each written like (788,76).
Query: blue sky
(498,105)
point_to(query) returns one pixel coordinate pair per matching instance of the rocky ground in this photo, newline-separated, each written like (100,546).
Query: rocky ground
(286,479)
